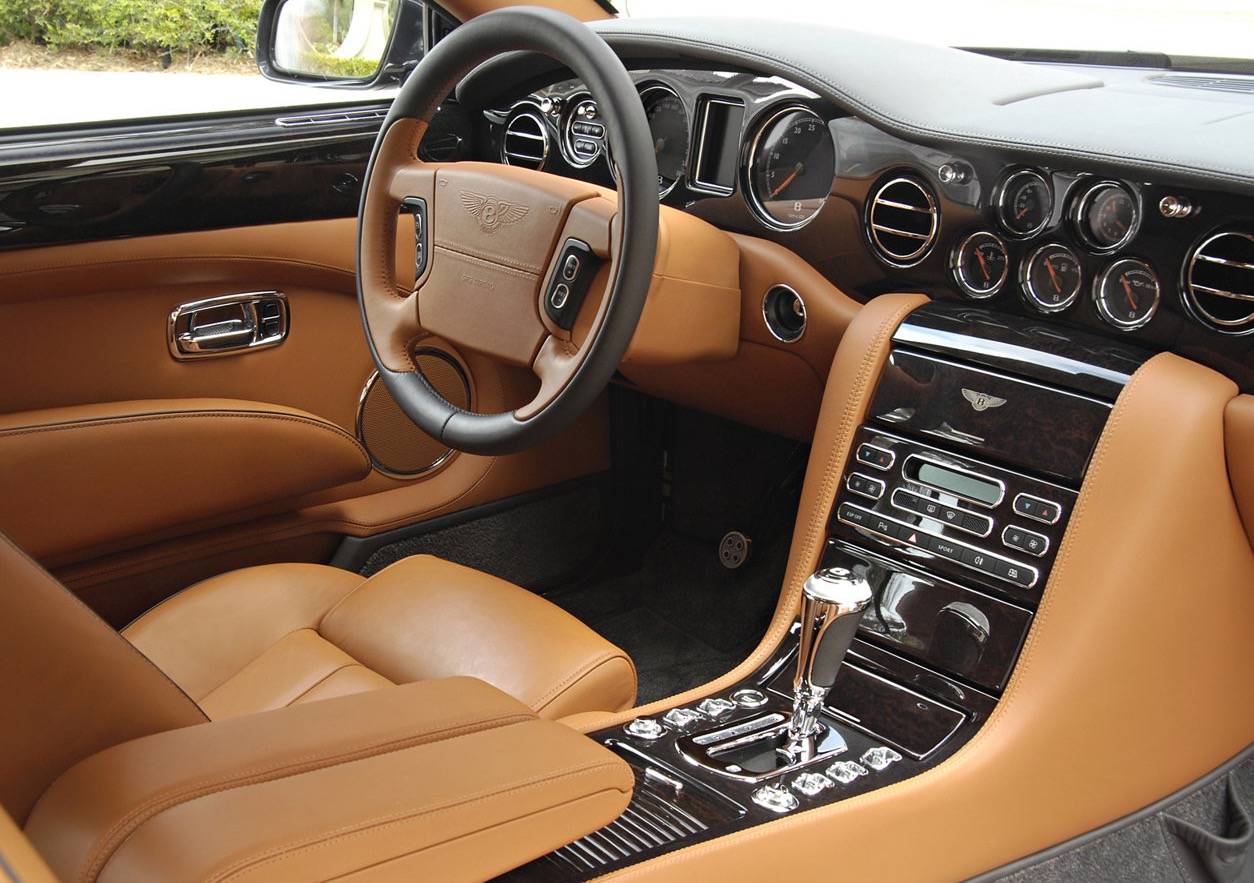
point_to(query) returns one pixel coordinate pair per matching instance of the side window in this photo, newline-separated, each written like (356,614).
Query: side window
(77,62)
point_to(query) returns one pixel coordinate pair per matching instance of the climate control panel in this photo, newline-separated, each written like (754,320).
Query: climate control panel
(953,515)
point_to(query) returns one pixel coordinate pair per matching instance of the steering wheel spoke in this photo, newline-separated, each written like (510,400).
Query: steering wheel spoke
(493,235)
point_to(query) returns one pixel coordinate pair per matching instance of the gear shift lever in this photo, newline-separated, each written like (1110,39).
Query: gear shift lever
(831,606)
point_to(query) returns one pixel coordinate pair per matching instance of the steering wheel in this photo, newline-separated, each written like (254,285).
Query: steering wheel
(494,269)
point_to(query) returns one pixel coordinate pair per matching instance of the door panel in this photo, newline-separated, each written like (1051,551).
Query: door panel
(86,324)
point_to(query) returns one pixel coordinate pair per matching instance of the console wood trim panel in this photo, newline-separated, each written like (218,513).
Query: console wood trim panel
(1092,725)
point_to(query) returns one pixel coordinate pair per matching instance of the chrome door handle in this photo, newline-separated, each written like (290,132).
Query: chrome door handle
(228,325)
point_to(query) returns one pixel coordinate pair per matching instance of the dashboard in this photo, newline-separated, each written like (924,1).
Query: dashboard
(1149,261)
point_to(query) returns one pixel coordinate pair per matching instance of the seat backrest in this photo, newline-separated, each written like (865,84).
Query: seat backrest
(70,684)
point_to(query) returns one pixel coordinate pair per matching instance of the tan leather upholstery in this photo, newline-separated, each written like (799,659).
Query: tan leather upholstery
(70,686)
(1239,438)
(440,780)
(18,856)
(153,464)
(272,636)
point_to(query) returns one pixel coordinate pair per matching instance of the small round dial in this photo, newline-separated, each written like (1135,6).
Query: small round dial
(668,125)
(791,164)
(1025,203)
(1051,278)
(1127,293)
(1107,216)
(980,265)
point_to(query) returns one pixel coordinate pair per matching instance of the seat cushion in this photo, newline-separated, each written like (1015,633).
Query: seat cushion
(271,636)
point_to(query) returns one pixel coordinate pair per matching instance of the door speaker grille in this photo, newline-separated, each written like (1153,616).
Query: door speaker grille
(396,446)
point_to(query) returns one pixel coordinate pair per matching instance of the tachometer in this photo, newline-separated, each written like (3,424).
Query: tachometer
(791,165)
(668,124)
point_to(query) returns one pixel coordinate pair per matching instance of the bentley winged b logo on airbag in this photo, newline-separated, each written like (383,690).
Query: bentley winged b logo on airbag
(492,213)
(982,401)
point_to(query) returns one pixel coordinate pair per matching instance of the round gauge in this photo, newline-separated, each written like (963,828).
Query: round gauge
(1107,216)
(1051,278)
(1025,203)
(668,125)
(791,165)
(980,265)
(1127,293)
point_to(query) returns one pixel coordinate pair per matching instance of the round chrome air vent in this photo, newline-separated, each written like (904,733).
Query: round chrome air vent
(1219,282)
(902,220)
(526,139)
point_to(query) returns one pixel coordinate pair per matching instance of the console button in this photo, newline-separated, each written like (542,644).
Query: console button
(1019,574)
(570,267)
(875,456)
(645,728)
(883,526)
(880,757)
(1025,540)
(776,798)
(865,485)
(1044,511)
(980,560)
(978,524)
(908,501)
(946,549)
(845,771)
(853,515)
(951,516)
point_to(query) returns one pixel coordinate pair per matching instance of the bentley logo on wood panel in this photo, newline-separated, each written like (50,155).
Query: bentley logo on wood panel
(492,213)
(982,401)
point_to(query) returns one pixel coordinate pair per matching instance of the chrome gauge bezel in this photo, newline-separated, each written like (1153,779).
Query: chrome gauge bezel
(1099,299)
(999,202)
(755,201)
(1029,293)
(1084,200)
(955,266)
(645,89)
(573,103)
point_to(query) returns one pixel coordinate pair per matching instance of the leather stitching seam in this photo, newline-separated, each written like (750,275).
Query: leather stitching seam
(92,423)
(370,826)
(573,680)
(109,843)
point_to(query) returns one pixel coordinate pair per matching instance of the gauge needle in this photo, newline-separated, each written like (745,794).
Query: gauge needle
(1053,277)
(1023,211)
(983,266)
(792,176)
(1127,292)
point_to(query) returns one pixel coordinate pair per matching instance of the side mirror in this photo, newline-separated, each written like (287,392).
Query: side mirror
(353,43)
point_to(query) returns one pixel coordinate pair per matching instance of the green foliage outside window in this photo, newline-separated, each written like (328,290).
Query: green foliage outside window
(184,26)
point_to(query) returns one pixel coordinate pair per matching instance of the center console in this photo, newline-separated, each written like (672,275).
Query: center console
(950,513)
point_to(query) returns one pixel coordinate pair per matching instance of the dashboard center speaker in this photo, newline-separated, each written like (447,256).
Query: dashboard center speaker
(397,447)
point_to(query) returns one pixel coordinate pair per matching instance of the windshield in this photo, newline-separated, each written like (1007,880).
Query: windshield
(1193,28)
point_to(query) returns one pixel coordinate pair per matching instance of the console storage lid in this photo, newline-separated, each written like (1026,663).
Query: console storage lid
(447,779)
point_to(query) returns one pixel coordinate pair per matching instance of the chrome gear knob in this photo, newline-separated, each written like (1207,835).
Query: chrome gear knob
(832,604)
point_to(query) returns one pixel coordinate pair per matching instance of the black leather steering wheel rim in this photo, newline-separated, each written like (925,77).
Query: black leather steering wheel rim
(563,38)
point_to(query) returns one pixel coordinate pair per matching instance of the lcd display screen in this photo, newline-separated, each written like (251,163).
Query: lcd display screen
(959,483)
(719,147)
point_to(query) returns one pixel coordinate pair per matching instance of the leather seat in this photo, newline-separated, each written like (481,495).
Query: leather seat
(266,637)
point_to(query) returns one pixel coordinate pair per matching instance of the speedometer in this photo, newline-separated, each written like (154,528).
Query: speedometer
(791,166)
(668,126)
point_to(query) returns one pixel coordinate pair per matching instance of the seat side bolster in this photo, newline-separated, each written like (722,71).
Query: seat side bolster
(94,807)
